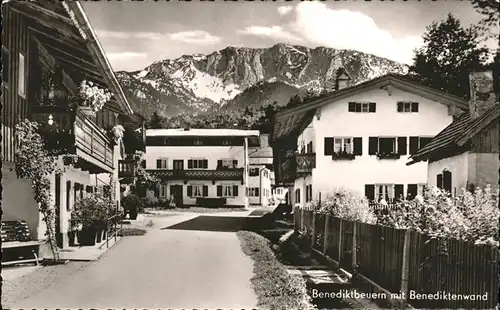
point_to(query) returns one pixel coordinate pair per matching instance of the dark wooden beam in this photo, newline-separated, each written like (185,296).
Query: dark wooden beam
(61,53)
(78,73)
(79,54)
(51,34)
(47,18)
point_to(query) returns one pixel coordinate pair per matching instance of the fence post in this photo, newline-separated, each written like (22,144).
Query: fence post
(340,240)
(313,239)
(326,233)
(107,232)
(354,245)
(405,264)
(319,201)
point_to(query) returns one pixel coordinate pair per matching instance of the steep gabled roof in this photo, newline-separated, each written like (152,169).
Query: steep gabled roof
(290,120)
(457,134)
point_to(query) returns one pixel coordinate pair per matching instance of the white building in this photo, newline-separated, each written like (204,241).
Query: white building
(260,174)
(200,166)
(359,139)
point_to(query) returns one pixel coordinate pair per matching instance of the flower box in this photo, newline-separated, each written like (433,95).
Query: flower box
(388,156)
(343,155)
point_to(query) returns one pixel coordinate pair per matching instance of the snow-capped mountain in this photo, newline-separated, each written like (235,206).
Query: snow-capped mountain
(198,83)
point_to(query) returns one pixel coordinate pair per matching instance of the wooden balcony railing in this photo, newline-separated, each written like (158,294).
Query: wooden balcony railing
(198,174)
(126,168)
(305,162)
(65,131)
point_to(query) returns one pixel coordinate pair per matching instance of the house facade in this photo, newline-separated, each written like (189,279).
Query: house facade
(200,167)
(261,178)
(48,49)
(359,139)
(465,154)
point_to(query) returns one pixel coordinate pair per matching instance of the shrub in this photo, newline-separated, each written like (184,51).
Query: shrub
(91,210)
(343,204)
(133,203)
(469,216)
(274,286)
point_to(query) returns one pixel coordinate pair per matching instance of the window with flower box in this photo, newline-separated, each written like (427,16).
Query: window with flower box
(343,147)
(362,107)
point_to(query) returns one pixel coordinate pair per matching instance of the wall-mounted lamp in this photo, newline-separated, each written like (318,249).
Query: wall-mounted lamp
(51,120)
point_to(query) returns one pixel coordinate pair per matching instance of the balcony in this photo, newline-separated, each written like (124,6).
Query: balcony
(199,174)
(305,162)
(72,132)
(126,168)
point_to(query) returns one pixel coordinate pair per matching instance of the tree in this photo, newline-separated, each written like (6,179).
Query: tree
(156,121)
(132,140)
(449,54)
(490,9)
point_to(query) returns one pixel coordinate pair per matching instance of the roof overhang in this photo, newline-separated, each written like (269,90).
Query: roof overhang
(287,120)
(63,29)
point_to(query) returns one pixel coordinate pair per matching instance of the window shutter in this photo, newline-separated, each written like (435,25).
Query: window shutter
(190,164)
(352,107)
(328,146)
(190,191)
(358,146)
(402,145)
(143,164)
(447,181)
(257,191)
(414,106)
(439,181)
(235,190)
(219,164)
(372,145)
(400,106)
(158,164)
(412,191)
(413,145)
(88,189)
(398,191)
(219,190)
(235,163)
(205,163)
(205,190)
(370,192)
(372,107)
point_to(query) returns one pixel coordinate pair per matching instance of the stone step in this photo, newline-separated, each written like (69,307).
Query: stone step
(324,278)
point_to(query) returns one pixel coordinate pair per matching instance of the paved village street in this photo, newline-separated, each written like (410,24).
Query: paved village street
(164,268)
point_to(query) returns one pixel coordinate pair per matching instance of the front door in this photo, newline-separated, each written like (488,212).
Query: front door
(177,191)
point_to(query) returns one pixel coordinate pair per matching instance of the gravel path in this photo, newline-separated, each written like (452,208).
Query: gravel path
(163,269)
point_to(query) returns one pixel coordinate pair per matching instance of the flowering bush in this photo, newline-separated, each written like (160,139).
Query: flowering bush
(343,204)
(90,210)
(94,96)
(118,131)
(469,216)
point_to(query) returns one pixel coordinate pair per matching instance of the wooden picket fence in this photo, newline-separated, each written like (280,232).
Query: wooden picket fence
(403,260)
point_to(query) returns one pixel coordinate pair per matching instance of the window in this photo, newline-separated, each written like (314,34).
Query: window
(227,190)
(362,107)
(253,172)
(225,142)
(198,142)
(254,192)
(384,191)
(5,66)
(387,145)
(343,144)
(197,163)
(178,164)
(162,163)
(407,107)
(163,190)
(227,163)
(411,191)
(309,148)
(447,181)
(197,190)
(308,193)
(22,77)
(417,143)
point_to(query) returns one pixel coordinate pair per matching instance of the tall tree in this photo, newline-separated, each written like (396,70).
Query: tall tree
(490,9)
(156,121)
(450,52)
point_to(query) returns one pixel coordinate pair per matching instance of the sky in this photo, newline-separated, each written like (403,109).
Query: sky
(136,34)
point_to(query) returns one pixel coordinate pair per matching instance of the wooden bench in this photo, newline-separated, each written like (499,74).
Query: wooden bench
(17,244)
(211,202)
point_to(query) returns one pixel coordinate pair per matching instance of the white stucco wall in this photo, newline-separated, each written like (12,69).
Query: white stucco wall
(263,183)
(301,184)
(336,121)
(459,166)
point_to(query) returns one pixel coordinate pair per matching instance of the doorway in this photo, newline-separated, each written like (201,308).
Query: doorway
(177,191)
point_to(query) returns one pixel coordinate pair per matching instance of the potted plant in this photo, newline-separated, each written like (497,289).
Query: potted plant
(89,214)
(92,97)
(133,204)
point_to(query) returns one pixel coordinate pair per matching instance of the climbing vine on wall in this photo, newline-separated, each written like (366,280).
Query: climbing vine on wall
(33,162)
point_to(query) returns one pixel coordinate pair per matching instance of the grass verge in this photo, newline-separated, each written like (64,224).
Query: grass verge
(274,286)
(131,231)
(193,209)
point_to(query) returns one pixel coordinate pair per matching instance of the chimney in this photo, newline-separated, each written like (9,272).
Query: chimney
(264,140)
(482,95)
